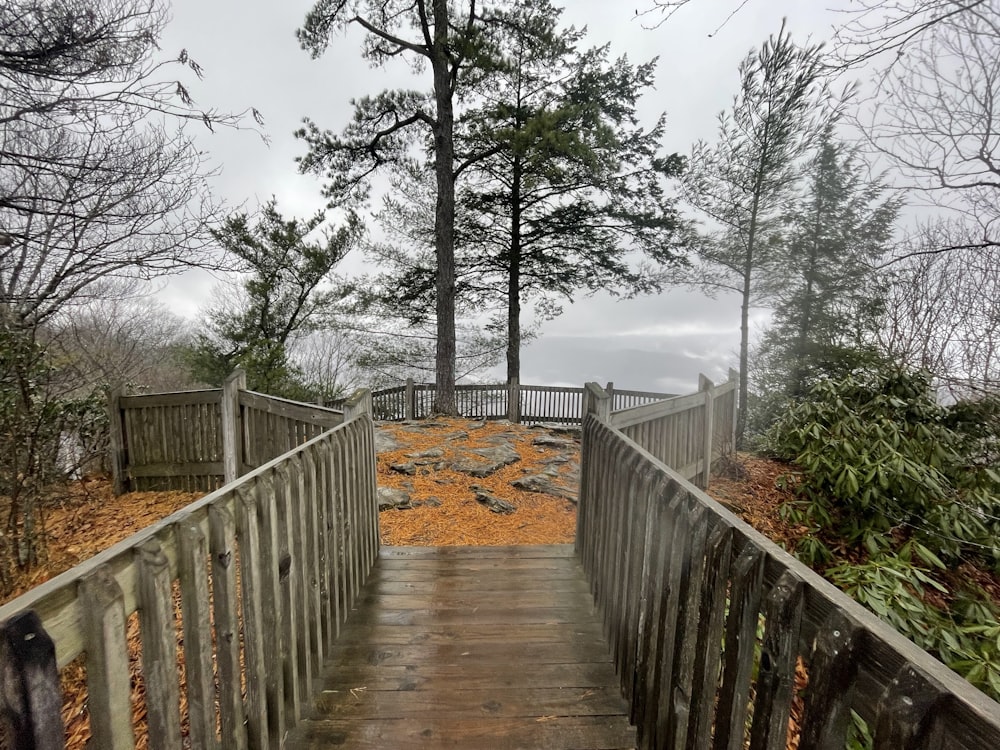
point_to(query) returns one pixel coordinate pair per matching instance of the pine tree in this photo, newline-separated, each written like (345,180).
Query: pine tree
(829,299)
(743,181)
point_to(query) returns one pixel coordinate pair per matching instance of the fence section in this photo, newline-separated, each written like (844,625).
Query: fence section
(714,629)
(525,404)
(272,426)
(687,433)
(199,440)
(283,551)
(169,440)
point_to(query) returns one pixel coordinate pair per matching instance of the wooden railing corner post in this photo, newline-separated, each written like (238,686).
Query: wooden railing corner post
(596,401)
(116,432)
(30,694)
(231,430)
(358,403)
(706,386)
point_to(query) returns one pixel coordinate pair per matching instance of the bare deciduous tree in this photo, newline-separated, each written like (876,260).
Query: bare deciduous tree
(941,310)
(933,115)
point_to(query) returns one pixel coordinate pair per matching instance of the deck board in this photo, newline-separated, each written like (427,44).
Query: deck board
(470,647)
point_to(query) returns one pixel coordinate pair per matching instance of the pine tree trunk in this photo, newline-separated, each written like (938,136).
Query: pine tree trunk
(444,215)
(514,279)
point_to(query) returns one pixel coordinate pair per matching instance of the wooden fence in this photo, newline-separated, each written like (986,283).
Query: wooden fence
(199,440)
(265,570)
(523,404)
(687,433)
(712,626)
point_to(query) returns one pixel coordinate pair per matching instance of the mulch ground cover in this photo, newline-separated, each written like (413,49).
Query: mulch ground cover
(459,519)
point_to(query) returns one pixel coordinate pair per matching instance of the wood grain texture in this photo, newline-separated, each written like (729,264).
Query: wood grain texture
(438,661)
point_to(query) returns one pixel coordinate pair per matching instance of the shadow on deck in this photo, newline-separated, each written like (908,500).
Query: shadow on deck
(470,647)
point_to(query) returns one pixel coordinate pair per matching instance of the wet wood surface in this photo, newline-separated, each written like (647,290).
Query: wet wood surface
(470,648)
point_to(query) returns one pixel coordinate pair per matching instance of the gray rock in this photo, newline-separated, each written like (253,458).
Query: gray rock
(431,453)
(494,503)
(495,458)
(544,485)
(385,442)
(503,454)
(390,498)
(551,441)
(432,502)
(555,460)
(565,429)
(406,468)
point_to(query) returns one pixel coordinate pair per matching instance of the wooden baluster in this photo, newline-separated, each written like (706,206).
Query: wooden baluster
(225,610)
(192,562)
(159,647)
(108,683)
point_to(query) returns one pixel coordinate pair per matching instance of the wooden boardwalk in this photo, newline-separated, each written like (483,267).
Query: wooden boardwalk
(470,647)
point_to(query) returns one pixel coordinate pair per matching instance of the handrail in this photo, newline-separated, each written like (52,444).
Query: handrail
(683,584)
(302,530)
(516,402)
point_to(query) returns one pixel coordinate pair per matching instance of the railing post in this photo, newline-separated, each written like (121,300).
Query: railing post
(408,400)
(514,401)
(610,390)
(734,378)
(596,401)
(116,432)
(359,402)
(707,387)
(231,433)
(30,695)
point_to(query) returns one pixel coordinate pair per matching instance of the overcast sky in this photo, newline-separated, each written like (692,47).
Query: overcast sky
(251,58)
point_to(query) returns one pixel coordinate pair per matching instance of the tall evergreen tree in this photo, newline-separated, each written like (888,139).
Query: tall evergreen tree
(829,300)
(743,181)
(557,181)
(447,37)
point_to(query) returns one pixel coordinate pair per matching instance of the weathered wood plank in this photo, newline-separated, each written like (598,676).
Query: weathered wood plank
(276,653)
(530,659)
(708,654)
(741,633)
(227,627)
(826,714)
(108,688)
(776,672)
(558,733)
(177,398)
(255,635)
(280,407)
(193,575)
(159,647)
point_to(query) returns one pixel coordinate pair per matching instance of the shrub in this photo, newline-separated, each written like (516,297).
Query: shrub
(878,456)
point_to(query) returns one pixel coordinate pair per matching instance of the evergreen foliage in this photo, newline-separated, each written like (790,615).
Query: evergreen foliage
(894,489)
(742,182)
(828,298)
(280,298)
(557,183)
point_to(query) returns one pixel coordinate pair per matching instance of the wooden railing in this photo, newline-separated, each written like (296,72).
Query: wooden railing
(709,622)
(199,440)
(688,433)
(254,580)
(523,404)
